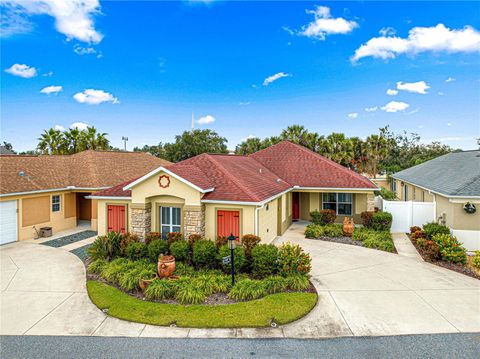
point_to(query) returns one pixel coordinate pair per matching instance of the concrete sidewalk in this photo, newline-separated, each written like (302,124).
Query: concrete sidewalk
(405,247)
(362,292)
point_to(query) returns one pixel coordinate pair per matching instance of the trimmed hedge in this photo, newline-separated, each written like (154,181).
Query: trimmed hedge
(180,250)
(325,216)
(239,258)
(157,247)
(136,251)
(431,229)
(381,221)
(204,254)
(264,260)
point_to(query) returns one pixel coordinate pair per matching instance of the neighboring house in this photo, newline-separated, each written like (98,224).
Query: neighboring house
(217,194)
(450,181)
(49,191)
(5,151)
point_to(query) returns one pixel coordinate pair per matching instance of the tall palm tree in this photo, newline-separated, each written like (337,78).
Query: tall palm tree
(295,133)
(73,140)
(92,140)
(51,142)
(249,146)
(377,151)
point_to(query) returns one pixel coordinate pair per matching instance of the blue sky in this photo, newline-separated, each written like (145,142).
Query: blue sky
(252,68)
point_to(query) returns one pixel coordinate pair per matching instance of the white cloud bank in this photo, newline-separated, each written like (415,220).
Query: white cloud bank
(205,120)
(420,87)
(324,24)
(73,18)
(51,89)
(421,39)
(395,106)
(22,70)
(392,92)
(95,97)
(450,79)
(79,125)
(275,77)
(371,109)
(59,128)
(353,115)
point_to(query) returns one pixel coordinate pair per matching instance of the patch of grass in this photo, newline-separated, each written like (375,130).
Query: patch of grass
(283,307)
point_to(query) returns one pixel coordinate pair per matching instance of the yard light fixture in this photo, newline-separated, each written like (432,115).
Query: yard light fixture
(232,243)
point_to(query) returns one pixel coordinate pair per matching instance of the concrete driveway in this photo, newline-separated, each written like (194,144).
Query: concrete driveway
(361,292)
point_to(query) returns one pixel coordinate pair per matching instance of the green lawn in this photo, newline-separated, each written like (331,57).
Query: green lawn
(282,308)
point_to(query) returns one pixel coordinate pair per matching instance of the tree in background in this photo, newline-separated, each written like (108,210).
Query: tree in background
(155,150)
(56,142)
(193,143)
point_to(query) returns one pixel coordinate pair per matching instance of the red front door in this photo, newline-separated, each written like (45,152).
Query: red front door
(116,218)
(295,206)
(228,222)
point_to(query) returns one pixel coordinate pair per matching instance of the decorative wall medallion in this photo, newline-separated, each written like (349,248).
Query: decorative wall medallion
(469,208)
(164,181)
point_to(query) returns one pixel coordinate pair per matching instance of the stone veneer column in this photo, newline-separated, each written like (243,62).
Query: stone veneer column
(193,220)
(141,219)
(370,202)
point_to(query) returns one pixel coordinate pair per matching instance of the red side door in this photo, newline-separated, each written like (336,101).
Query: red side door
(228,222)
(116,218)
(295,206)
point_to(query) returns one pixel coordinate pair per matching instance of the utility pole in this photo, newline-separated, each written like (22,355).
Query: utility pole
(124,139)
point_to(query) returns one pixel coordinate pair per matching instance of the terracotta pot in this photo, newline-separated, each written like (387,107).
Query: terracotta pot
(144,283)
(348,227)
(166,266)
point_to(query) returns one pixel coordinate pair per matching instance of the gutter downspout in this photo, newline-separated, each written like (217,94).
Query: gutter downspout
(256,218)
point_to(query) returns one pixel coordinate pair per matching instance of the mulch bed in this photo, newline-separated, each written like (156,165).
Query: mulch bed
(460,268)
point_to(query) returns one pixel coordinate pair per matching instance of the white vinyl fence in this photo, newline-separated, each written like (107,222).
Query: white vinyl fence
(407,214)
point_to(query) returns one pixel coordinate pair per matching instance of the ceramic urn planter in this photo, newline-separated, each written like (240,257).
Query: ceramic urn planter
(348,227)
(166,266)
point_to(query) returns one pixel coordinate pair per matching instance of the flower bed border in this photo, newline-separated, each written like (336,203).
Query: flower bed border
(459,268)
(351,242)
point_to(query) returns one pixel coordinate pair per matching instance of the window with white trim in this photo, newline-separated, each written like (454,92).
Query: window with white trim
(394,186)
(341,203)
(56,203)
(170,220)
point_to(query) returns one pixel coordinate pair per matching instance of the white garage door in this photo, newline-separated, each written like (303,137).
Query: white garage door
(8,222)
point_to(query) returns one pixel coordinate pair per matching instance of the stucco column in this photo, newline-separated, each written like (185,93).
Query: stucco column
(141,219)
(193,220)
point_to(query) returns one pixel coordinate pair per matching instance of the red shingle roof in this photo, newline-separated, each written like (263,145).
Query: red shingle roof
(261,175)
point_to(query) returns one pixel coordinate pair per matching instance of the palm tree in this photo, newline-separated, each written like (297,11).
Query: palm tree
(249,146)
(51,142)
(92,140)
(295,133)
(73,140)
(377,151)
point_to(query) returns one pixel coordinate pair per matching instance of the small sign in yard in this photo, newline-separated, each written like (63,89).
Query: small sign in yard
(226,260)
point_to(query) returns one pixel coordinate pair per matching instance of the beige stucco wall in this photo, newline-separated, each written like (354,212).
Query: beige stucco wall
(268,221)
(38,213)
(456,217)
(285,212)
(247,218)
(101,221)
(415,193)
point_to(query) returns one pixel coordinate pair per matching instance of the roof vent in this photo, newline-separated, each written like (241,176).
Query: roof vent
(278,180)
(260,170)
(21,174)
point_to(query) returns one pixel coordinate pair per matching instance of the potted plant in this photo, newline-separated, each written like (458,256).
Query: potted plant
(166,266)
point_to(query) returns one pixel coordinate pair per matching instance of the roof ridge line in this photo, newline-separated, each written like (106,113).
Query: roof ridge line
(233,178)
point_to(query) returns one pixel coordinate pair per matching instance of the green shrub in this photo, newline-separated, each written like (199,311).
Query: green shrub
(127,238)
(98,249)
(114,269)
(275,284)
(161,289)
(362,233)
(129,280)
(431,229)
(182,269)
(194,238)
(96,266)
(293,260)
(248,289)
(204,254)
(152,236)
(367,218)
(264,260)
(156,248)
(451,249)
(239,258)
(221,241)
(136,251)
(333,230)
(174,237)
(249,241)
(212,283)
(313,231)
(476,260)
(414,229)
(188,293)
(387,194)
(377,242)
(297,282)
(180,250)
(381,221)
(431,249)
(325,216)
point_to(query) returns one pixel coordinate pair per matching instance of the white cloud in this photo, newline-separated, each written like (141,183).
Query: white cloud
(244,103)
(48,74)
(59,128)
(51,89)
(449,124)
(324,24)
(392,92)
(73,18)
(353,115)
(421,39)
(275,77)
(420,87)
(371,109)
(205,120)
(248,138)
(450,79)
(79,125)
(395,106)
(440,93)
(13,20)
(22,70)
(95,97)
(387,31)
